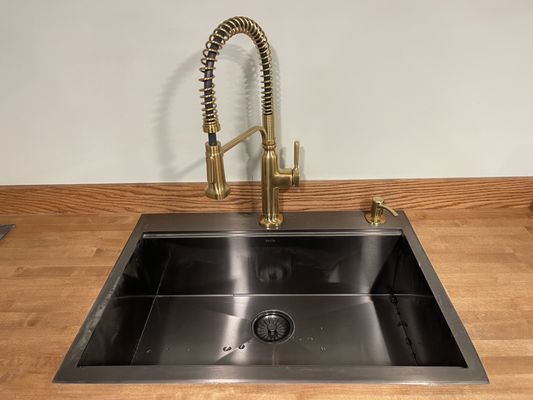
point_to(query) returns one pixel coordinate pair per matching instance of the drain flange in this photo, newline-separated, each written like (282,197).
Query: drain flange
(272,326)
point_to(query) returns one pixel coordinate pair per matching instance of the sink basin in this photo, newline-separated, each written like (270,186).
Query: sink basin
(326,298)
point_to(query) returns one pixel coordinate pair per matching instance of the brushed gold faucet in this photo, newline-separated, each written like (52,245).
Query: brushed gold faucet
(273,178)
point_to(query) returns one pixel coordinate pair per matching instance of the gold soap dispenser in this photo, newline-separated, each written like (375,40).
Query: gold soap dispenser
(375,217)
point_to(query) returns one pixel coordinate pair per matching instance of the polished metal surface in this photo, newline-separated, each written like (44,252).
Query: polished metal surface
(327,298)
(273,326)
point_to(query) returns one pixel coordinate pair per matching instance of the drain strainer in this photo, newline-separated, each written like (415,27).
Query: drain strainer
(272,326)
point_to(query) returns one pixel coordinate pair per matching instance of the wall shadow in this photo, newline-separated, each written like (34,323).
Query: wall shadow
(165,152)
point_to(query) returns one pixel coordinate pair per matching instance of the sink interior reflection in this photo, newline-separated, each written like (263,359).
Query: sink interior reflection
(355,298)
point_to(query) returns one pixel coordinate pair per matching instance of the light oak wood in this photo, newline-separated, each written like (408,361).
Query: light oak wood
(310,196)
(52,268)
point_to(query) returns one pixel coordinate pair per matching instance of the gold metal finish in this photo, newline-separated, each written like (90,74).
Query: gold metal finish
(296,163)
(216,188)
(273,178)
(375,216)
(242,137)
(218,38)
(211,127)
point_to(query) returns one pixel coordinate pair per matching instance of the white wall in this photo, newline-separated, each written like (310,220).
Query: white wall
(107,91)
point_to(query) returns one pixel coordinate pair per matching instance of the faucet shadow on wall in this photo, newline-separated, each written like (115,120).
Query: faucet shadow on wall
(247,108)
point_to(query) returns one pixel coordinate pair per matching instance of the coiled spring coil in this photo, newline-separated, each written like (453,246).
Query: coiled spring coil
(218,38)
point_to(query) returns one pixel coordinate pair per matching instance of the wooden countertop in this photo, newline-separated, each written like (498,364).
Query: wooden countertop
(53,266)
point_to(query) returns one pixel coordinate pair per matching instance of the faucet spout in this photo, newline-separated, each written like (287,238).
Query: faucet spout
(273,178)
(225,31)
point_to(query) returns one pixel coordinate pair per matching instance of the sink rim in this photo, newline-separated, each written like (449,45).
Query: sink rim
(298,223)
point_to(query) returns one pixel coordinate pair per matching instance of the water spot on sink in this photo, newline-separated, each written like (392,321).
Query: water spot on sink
(310,338)
(226,348)
(242,346)
(148,351)
(323,348)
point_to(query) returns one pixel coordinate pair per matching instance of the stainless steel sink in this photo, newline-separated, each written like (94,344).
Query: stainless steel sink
(326,298)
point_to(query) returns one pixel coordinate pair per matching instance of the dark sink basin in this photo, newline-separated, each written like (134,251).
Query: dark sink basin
(215,298)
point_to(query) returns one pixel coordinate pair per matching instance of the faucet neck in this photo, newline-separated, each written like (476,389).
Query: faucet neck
(218,38)
(269,137)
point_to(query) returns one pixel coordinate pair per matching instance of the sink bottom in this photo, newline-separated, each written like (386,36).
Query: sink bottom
(380,330)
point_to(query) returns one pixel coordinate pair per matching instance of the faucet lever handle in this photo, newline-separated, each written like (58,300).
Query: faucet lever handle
(296,169)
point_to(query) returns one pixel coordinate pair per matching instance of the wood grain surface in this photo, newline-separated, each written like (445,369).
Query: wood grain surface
(53,266)
(417,194)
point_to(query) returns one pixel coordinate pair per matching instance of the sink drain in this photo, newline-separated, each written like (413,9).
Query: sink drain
(272,326)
